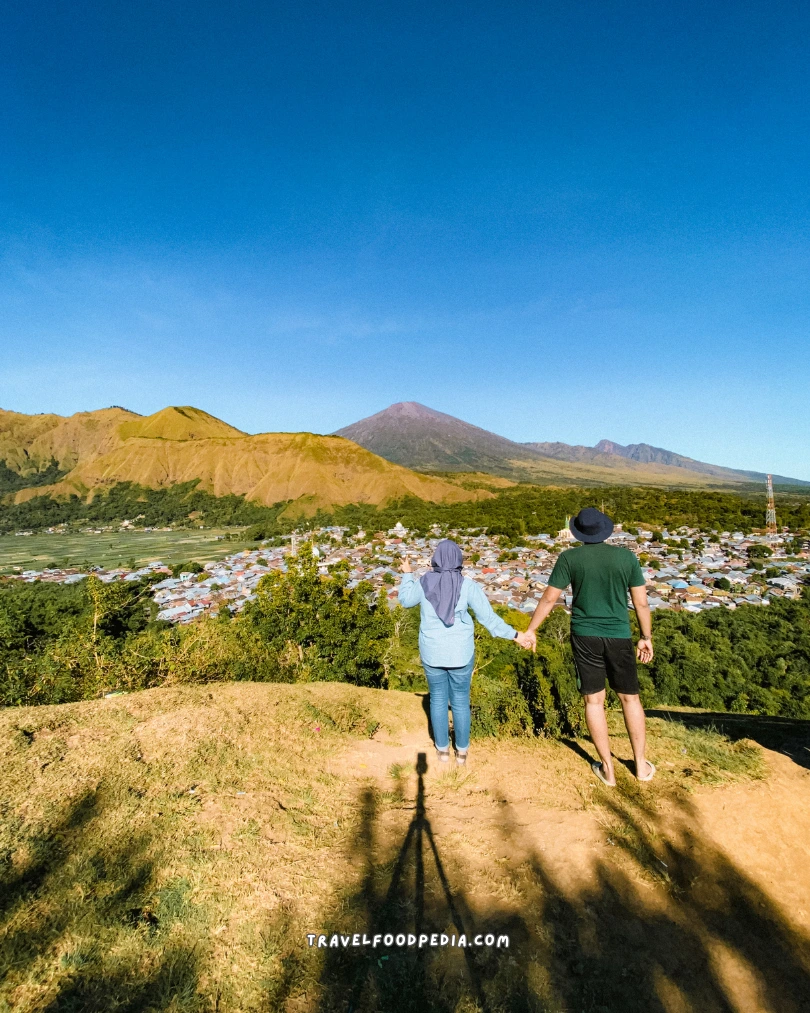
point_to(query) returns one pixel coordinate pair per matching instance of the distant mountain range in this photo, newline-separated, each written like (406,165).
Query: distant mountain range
(92,450)
(418,437)
(377,460)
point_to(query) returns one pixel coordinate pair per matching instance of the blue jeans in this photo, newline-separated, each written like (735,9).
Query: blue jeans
(450,685)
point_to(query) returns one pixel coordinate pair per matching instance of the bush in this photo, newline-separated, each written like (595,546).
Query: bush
(60,643)
(188,567)
(754,659)
(317,627)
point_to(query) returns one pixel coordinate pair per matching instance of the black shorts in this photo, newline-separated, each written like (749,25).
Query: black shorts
(597,657)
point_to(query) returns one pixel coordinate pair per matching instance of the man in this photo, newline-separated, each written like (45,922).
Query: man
(600,576)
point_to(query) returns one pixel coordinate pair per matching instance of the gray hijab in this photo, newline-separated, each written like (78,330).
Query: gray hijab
(442,584)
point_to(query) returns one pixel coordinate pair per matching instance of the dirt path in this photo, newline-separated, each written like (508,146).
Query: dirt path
(648,897)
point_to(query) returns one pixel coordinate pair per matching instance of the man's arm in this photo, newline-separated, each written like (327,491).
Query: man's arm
(544,606)
(644,648)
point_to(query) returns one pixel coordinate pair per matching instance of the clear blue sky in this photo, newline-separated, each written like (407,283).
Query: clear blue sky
(557,221)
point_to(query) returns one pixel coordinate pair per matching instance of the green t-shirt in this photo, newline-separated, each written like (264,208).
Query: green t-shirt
(599,575)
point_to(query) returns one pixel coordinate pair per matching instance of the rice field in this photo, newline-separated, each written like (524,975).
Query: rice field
(113,548)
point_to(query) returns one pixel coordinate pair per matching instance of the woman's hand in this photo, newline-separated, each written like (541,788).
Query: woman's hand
(405,565)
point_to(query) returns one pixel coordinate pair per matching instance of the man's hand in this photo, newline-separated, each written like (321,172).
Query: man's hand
(528,641)
(405,565)
(644,651)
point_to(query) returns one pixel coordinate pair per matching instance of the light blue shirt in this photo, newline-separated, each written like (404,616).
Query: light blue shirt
(451,646)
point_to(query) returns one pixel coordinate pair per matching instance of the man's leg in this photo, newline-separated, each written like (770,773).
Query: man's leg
(589,662)
(620,658)
(636,724)
(597,726)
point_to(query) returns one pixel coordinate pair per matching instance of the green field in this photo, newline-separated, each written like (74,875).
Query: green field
(113,548)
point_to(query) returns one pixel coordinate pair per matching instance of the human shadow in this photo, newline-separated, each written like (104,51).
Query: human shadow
(426,709)
(790,736)
(421,953)
(660,920)
(577,748)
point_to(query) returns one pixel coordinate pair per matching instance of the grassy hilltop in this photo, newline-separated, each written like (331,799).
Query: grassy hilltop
(171,849)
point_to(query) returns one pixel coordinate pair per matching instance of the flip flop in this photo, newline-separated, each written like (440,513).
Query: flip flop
(651,774)
(597,769)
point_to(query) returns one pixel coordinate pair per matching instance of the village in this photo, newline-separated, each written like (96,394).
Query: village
(685,569)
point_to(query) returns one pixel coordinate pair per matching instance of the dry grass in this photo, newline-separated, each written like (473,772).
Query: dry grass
(170,849)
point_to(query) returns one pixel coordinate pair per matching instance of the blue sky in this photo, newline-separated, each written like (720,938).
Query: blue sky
(558,221)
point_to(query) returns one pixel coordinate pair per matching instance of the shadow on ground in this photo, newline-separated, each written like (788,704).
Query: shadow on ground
(82,927)
(664,923)
(790,736)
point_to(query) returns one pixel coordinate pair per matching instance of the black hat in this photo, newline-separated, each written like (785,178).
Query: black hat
(591,525)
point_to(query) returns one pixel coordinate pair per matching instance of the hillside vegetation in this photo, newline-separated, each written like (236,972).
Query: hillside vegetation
(511,512)
(60,643)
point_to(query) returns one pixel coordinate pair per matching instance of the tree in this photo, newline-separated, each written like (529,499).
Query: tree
(759,552)
(318,627)
(187,567)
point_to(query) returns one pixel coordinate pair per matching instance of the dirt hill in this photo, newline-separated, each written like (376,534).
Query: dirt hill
(173,849)
(28,443)
(98,449)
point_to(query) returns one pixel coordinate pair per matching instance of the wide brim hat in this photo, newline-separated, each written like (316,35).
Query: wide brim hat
(591,525)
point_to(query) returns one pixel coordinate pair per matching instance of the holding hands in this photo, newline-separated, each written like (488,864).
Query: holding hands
(527,640)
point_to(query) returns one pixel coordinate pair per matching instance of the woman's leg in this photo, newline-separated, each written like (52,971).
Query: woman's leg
(459,680)
(437,683)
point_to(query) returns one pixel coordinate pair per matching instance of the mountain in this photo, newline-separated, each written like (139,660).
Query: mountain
(29,444)
(178,424)
(94,450)
(645,453)
(419,437)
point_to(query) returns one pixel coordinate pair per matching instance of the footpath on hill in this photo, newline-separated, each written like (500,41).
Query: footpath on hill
(174,849)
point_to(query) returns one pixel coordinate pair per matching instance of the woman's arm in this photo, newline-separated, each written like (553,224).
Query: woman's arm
(410,590)
(486,615)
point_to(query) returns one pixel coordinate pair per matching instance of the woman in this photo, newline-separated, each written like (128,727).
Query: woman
(446,645)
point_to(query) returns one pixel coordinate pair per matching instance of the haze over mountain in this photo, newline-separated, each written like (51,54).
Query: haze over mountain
(94,450)
(418,437)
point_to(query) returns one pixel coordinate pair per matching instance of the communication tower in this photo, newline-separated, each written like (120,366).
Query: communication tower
(770,513)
